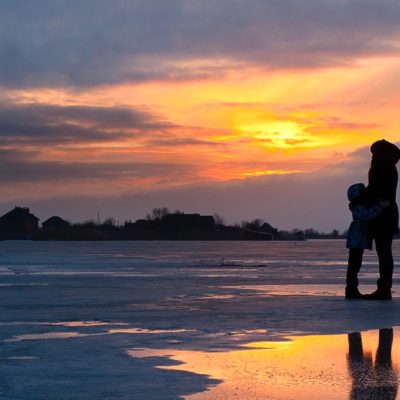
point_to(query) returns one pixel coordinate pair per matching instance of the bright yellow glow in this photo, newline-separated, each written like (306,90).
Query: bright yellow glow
(279,134)
(244,122)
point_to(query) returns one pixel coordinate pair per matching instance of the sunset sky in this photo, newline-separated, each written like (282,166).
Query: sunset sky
(246,108)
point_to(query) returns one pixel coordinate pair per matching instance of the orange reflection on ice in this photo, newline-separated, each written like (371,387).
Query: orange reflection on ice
(312,367)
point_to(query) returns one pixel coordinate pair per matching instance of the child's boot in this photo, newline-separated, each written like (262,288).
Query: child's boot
(351,291)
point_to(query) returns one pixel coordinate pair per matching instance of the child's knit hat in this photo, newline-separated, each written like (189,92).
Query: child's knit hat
(355,190)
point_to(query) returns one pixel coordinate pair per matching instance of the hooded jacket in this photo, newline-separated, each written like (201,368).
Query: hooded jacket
(382,184)
(358,235)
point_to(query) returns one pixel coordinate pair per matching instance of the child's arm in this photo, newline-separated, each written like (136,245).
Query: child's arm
(366,214)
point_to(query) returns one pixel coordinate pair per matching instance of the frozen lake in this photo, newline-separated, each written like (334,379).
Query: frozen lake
(172,320)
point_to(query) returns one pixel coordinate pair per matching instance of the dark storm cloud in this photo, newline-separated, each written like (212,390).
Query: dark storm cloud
(48,124)
(91,42)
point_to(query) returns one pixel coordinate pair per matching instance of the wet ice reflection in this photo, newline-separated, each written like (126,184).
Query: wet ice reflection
(372,379)
(354,366)
(296,290)
(119,328)
(47,335)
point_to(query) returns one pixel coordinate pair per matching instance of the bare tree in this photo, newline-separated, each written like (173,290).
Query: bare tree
(253,225)
(158,213)
(219,220)
(109,221)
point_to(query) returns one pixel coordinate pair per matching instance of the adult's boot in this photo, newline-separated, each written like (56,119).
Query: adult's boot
(383,292)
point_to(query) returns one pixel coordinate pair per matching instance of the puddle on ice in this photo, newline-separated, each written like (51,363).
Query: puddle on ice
(239,335)
(297,290)
(212,296)
(72,324)
(79,324)
(152,331)
(350,366)
(22,284)
(48,335)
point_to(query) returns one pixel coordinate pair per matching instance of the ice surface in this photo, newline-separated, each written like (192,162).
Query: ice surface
(72,313)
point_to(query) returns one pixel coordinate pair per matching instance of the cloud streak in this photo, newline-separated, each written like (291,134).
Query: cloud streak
(60,43)
(52,124)
(23,167)
(51,143)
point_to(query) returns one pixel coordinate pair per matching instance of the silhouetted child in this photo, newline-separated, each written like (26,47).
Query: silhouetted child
(358,237)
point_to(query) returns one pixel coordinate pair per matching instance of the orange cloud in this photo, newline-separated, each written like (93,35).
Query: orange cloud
(246,123)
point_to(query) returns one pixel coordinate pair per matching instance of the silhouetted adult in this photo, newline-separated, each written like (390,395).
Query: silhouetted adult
(372,381)
(382,184)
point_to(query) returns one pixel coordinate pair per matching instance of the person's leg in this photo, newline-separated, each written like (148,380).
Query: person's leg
(355,346)
(385,256)
(383,245)
(385,375)
(384,352)
(353,268)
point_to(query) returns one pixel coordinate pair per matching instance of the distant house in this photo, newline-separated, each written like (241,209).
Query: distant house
(269,229)
(144,224)
(299,235)
(188,222)
(55,223)
(18,223)
(140,224)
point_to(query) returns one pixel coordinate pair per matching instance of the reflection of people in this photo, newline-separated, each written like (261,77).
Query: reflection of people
(382,184)
(358,237)
(372,381)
